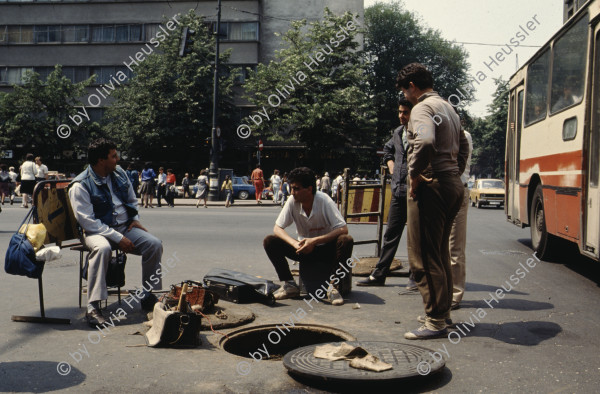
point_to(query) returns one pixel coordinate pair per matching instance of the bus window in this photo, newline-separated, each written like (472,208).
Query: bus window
(537,89)
(568,67)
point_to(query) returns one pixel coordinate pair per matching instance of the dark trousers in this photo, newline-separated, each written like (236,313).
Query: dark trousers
(391,238)
(316,266)
(160,194)
(430,220)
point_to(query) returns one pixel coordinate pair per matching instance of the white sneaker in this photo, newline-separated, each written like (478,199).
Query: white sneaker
(335,298)
(288,290)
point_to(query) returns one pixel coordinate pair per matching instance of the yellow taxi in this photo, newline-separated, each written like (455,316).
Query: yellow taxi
(487,192)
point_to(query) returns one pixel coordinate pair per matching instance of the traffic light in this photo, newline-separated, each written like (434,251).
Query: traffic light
(187,41)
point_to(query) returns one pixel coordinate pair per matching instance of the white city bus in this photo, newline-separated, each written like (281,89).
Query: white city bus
(552,138)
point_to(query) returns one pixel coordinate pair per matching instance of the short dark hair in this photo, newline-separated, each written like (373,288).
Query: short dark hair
(405,103)
(304,176)
(99,149)
(147,165)
(416,73)
(29,157)
(3,167)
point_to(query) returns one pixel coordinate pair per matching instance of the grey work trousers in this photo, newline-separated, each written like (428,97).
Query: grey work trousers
(146,245)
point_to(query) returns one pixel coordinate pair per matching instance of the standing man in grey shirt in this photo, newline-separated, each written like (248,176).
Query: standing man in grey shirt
(106,207)
(437,155)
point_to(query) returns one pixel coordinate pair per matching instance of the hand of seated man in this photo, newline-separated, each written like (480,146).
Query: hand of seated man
(306,246)
(126,245)
(137,224)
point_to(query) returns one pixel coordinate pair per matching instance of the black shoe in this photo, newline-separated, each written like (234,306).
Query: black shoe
(95,318)
(148,302)
(371,282)
(454,306)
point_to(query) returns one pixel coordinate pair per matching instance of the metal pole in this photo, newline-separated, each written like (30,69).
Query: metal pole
(213,191)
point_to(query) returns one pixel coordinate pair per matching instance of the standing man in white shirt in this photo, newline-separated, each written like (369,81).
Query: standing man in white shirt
(106,207)
(275,185)
(41,170)
(323,241)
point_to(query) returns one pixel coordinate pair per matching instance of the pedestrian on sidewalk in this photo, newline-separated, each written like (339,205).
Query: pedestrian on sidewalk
(134,178)
(202,192)
(259,183)
(13,183)
(148,185)
(228,187)
(326,184)
(185,183)
(285,189)
(170,188)
(161,191)
(275,185)
(4,183)
(41,170)
(28,171)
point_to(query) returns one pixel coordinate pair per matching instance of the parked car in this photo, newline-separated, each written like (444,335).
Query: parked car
(242,188)
(487,192)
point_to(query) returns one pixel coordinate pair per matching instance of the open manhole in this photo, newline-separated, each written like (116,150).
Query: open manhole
(277,340)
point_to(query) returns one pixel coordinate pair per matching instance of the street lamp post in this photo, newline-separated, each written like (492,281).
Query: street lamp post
(213,191)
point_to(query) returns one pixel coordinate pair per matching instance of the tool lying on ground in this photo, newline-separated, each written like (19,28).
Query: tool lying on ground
(239,287)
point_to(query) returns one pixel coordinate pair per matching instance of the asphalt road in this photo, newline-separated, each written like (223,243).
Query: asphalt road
(541,337)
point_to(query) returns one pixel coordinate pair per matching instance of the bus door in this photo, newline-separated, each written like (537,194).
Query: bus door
(592,208)
(513,154)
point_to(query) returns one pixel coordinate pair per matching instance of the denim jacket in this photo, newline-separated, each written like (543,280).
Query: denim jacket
(100,194)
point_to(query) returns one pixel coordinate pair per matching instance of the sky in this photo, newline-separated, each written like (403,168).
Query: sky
(488,22)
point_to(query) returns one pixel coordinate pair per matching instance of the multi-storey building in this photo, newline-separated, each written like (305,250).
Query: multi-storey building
(90,37)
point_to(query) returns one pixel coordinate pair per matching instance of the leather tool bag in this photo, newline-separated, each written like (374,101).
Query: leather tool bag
(239,287)
(173,329)
(196,295)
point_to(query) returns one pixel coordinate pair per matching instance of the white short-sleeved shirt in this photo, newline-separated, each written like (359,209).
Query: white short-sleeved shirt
(41,171)
(324,217)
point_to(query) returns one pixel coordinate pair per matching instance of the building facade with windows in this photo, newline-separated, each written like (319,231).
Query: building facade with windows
(96,37)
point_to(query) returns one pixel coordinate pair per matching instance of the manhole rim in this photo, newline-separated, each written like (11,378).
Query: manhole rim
(379,378)
(273,326)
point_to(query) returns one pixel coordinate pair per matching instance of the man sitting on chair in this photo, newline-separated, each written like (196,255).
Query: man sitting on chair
(105,206)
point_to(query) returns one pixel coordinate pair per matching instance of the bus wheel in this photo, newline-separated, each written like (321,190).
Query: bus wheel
(478,203)
(540,239)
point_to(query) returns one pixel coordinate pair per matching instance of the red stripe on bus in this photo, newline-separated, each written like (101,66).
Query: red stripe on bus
(556,162)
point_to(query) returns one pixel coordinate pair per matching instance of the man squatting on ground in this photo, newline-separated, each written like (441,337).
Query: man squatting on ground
(394,155)
(106,207)
(322,231)
(437,155)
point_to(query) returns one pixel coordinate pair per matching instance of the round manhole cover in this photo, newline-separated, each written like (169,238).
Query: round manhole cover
(365,265)
(408,361)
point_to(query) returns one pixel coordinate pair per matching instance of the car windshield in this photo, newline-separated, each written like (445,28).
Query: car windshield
(492,185)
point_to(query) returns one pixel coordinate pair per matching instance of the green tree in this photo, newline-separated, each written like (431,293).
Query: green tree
(395,38)
(489,135)
(315,92)
(169,100)
(32,112)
